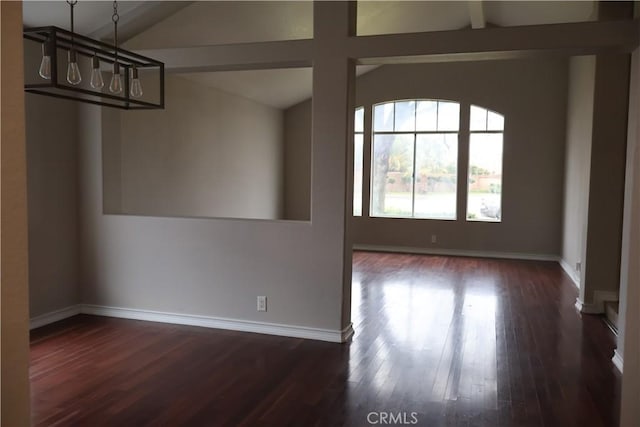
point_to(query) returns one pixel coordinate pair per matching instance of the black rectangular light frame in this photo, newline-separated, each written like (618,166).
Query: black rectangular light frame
(85,46)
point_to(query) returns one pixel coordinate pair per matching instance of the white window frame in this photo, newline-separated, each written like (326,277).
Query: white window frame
(356,132)
(415,133)
(485,131)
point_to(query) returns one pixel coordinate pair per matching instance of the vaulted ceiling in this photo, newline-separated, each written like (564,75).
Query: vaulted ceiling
(374,17)
(93,18)
(158,24)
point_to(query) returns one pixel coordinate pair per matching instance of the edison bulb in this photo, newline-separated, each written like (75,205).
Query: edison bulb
(96,75)
(73,71)
(116,80)
(45,64)
(136,86)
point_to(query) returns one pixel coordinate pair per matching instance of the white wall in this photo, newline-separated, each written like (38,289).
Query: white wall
(577,162)
(53,206)
(207,154)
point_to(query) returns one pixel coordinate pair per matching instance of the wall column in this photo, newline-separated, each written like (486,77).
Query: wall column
(14,299)
(606,183)
(628,351)
(332,125)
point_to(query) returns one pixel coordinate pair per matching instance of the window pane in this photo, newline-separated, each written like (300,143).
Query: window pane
(383,117)
(427,115)
(405,116)
(484,202)
(357,173)
(448,115)
(436,176)
(359,120)
(495,121)
(392,176)
(478,119)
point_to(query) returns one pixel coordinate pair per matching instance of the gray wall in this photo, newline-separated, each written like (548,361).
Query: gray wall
(52,202)
(297,161)
(532,96)
(606,178)
(208,154)
(217,267)
(577,162)
(205,266)
(629,320)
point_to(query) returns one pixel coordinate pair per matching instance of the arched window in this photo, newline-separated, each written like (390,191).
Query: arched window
(484,195)
(415,159)
(415,156)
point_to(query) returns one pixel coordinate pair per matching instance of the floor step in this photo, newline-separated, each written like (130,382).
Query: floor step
(611,314)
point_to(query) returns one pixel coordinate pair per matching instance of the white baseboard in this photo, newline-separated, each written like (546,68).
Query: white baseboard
(222,323)
(597,306)
(573,274)
(194,320)
(585,308)
(617,360)
(457,252)
(54,316)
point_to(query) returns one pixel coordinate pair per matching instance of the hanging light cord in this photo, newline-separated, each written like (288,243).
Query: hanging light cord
(72,3)
(115,18)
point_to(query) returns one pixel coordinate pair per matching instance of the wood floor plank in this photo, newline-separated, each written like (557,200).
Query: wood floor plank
(452,341)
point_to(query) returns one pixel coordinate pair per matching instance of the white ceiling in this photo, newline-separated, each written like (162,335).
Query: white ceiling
(93,18)
(88,15)
(374,17)
(279,88)
(387,17)
(153,24)
(514,13)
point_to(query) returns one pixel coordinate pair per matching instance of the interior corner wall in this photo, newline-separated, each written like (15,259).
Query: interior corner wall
(297,161)
(577,162)
(532,96)
(207,154)
(52,203)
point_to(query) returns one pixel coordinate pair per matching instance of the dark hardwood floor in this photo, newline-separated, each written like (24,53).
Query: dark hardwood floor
(440,341)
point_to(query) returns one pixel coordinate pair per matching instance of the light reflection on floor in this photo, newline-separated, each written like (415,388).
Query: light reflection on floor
(419,322)
(444,334)
(467,336)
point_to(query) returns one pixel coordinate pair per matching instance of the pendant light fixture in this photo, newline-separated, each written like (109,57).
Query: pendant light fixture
(125,85)
(116,80)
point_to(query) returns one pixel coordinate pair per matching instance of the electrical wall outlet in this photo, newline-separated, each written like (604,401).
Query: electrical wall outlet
(578,266)
(434,238)
(262,303)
